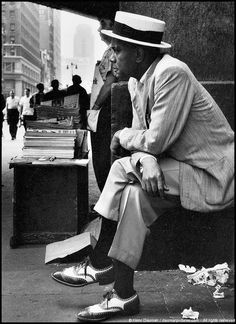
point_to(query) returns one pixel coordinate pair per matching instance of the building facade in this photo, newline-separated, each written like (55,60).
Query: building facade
(31,46)
(21,63)
(57,43)
(50,44)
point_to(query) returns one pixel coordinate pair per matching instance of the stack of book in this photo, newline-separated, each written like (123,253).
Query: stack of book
(58,143)
(55,133)
(65,123)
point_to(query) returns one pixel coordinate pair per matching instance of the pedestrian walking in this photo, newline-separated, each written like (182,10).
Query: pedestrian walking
(3,106)
(12,111)
(26,111)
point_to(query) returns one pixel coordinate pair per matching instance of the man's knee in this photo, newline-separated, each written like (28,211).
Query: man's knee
(118,164)
(133,190)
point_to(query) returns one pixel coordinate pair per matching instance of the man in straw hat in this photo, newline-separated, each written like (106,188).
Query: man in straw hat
(182,153)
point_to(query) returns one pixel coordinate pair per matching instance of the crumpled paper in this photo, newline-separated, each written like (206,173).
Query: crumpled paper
(187,268)
(217,293)
(219,274)
(189,313)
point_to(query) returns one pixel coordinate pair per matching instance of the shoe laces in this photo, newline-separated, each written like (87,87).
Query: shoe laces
(83,264)
(107,296)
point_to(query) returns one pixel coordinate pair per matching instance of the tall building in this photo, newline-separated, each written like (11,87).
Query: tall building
(84,53)
(50,44)
(57,42)
(21,62)
(31,46)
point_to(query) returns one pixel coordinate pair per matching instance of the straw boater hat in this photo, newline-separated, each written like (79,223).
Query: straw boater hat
(138,29)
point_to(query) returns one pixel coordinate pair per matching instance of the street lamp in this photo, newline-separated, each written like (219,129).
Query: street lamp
(72,67)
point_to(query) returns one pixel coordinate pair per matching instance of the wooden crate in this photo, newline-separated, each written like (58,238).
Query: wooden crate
(50,202)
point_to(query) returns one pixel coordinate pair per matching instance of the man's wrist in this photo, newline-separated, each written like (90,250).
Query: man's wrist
(147,156)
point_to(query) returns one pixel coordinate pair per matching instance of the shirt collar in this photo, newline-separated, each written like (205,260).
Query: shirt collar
(146,76)
(149,71)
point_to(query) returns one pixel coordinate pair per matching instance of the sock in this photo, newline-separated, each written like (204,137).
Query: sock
(124,280)
(98,256)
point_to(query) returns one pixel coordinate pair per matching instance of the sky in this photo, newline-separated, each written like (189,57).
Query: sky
(69,22)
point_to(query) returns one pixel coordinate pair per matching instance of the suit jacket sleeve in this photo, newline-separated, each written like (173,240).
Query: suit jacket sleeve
(173,94)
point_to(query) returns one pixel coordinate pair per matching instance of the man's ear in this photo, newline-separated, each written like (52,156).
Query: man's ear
(139,54)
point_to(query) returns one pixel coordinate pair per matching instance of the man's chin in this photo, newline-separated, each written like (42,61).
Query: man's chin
(122,76)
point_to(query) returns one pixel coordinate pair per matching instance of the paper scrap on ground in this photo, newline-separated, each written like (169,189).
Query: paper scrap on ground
(189,313)
(219,274)
(187,268)
(89,236)
(61,249)
(217,293)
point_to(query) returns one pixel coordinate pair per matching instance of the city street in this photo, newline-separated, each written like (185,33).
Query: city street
(30,295)
(56,55)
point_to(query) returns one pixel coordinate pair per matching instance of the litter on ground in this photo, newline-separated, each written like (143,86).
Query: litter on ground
(189,313)
(217,293)
(219,274)
(187,268)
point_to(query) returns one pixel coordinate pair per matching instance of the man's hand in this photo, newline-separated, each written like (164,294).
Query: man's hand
(153,181)
(115,144)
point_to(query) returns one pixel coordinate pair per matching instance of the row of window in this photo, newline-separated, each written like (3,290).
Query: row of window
(12,27)
(10,67)
(29,25)
(12,14)
(32,51)
(30,73)
(30,39)
(29,13)
(24,30)
(9,51)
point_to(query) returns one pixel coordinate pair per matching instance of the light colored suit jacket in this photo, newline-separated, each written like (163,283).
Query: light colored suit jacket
(173,113)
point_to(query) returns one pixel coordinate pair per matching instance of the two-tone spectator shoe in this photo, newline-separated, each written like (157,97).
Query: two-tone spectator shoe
(84,274)
(111,306)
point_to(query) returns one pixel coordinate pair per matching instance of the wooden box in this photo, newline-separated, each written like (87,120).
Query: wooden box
(50,202)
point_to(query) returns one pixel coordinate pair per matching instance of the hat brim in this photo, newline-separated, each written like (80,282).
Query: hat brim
(130,40)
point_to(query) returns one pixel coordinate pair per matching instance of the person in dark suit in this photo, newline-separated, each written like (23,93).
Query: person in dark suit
(38,97)
(76,88)
(55,94)
(3,104)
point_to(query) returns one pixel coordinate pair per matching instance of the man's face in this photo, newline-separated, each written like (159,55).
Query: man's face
(125,59)
(12,94)
(27,93)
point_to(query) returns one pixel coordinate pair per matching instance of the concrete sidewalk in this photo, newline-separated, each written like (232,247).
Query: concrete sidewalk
(30,295)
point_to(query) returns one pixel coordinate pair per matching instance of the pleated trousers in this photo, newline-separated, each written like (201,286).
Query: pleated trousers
(123,200)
